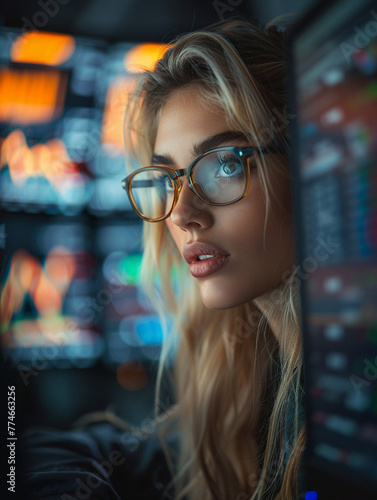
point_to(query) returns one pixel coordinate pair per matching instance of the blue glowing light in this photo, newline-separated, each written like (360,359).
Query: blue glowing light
(311,495)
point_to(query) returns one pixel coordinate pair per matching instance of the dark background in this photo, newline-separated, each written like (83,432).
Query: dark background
(145,20)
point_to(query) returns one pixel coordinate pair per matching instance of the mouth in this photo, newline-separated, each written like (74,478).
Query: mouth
(204,259)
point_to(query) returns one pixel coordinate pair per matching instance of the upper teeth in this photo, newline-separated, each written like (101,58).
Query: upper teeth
(203,257)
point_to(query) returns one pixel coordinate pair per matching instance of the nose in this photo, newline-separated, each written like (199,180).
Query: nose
(190,211)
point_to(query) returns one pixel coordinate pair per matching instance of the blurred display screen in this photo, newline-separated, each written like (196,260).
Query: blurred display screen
(71,244)
(335,64)
(62,102)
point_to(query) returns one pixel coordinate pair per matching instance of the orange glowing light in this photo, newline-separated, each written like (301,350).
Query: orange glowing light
(60,268)
(22,272)
(46,284)
(28,97)
(46,298)
(144,56)
(36,47)
(50,160)
(42,158)
(113,115)
(132,375)
(27,270)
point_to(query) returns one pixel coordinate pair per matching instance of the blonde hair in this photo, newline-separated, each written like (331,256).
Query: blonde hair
(238,390)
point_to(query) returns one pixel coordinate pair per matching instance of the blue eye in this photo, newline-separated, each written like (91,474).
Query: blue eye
(229,167)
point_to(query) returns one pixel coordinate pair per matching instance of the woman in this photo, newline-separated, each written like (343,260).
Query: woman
(212,182)
(208,130)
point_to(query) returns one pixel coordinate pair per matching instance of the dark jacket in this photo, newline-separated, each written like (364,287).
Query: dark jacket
(98,462)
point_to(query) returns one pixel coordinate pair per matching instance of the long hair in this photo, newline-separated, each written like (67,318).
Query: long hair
(237,388)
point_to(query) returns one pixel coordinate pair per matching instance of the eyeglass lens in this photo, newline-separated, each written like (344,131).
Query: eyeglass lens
(218,177)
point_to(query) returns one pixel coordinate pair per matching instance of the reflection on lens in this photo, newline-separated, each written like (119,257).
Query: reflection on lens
(220,177)
(152,192)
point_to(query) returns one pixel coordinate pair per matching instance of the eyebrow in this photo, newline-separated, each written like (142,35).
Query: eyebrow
(215,141)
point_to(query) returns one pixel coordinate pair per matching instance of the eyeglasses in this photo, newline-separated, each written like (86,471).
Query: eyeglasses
(218,177)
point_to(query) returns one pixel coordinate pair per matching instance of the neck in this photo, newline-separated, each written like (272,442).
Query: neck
(271,305)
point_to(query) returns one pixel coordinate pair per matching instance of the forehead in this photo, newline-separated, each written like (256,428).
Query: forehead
(185,119)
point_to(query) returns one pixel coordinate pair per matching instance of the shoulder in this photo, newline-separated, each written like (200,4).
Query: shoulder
(100,461)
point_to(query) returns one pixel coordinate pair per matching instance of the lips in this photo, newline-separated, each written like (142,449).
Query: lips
(202,268)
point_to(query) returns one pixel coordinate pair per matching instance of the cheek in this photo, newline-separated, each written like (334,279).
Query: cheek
(244,223)
(255,237)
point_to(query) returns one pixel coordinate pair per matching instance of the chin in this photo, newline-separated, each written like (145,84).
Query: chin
(216,303)
(220,295)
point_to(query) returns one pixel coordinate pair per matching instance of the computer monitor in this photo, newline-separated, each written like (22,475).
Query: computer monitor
(332,89)
(70,243)
(71,301)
